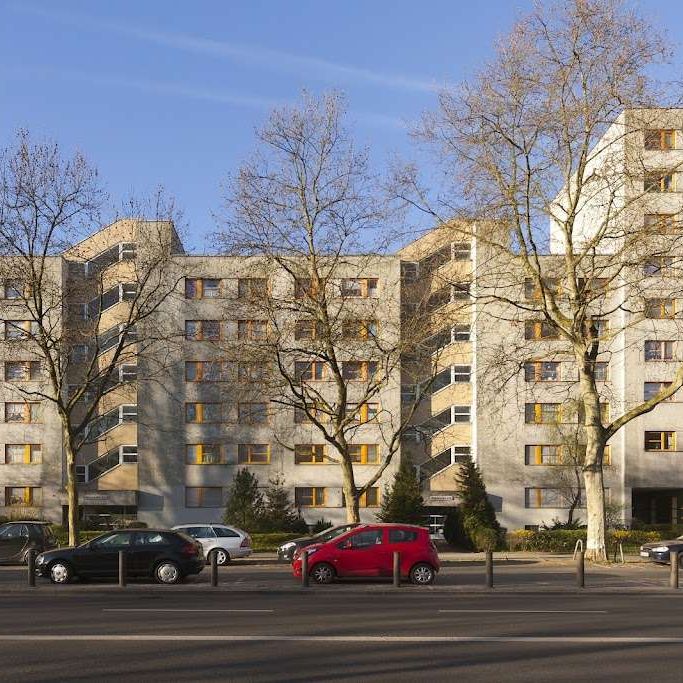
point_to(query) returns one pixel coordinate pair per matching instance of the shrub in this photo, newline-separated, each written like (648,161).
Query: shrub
(484,538)
(403,503)
(279,515)
(564,540)
(321,525)
(454,532)
(245,502)
(136,525)
(270,542)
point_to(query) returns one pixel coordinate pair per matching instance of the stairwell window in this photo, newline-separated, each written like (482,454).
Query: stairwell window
(461,333)
(659,181)
(660,139)
(203,497)
(462,251)
(23,412)
(311,454)
(23,496)
(660,441)
(253,454)
(461,413)
(310,496)
(204,454)
(659,350)
(23,454)
(202,288)
(364,453)
(462,373)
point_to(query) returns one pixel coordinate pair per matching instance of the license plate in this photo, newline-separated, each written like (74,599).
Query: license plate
(644,553)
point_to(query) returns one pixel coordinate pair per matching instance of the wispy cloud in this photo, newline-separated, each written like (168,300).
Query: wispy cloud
(274,60)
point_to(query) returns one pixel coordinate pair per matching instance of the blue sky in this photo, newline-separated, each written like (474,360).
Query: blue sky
(169,93)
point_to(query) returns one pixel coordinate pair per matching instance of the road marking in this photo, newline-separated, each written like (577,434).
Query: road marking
(154,609)
(525,611)
(571,640)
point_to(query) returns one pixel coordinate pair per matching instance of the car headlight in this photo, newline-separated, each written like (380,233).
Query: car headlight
(287,546)
(661,549)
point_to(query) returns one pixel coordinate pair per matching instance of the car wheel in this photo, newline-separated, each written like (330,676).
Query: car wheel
(60,572)
(322,573)
(222,556)
(167,572)
(422,574)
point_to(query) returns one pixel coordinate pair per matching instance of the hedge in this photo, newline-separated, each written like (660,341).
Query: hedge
(564,541)
(270,542)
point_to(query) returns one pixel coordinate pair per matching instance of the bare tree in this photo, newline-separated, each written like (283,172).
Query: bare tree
(324,300)
(556,131)
(82,323)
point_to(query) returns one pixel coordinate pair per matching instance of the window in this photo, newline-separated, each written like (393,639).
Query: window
(252,371)
(26,412)
(304,287)
(203,413)
(359,330)
(533,290)
(309,496)
(366,539)
(202,330)
(223,532)
(363,413)
(252,413)
(660,138)
(461,413)
(659,181)
(461,373)
(14,289)
(461,333)
(206,371)
(150,538)
(310,454)
(18,371)
(461,291)
(408,393)
(409,271)
(20,496)
(203,497)
(660,309)
(204,454)
(369,499)
(658,265)
(307,330)
(659,350)
(23,454)
(436,259)
(252,330)
(202,288)
(601,371)
(597,328)
(660,441)
(540,329)
(581,414)
(402,536)
(536,454)
(547,498)
(301,416)
(543,413)
(364,287)
(20,329)
(310,371)
(542,371)
(362,370)
(79,353)
(651,389)
(462,251)
(252,288)
(660,223)
(253,454)
(364,453)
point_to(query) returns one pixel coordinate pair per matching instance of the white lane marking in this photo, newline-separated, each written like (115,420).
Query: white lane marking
(578,640)
(524,611)
(154,609)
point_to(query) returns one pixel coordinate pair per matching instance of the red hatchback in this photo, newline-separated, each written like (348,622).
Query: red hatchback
(368,550)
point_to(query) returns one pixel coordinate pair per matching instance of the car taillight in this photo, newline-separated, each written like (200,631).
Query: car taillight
(189,550)
(246,542)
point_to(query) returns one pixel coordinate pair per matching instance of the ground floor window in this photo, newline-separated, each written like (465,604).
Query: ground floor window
(203,496)
(310,496)
(23,496)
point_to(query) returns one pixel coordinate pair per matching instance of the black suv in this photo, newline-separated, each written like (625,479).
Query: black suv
(17,538)
(167,556)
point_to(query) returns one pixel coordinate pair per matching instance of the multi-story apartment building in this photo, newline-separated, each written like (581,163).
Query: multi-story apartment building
(169,443)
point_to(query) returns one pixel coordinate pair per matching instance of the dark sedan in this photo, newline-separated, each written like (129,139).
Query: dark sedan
(18,538)
(285,553)
(659,551)
(167,556)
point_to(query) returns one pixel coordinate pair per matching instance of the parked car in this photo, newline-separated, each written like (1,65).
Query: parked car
(18,538)
(368,550)
(226,542)
(285,553)
(167,556)
(659,551)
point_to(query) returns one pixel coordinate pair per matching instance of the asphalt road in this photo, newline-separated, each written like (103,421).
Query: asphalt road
(187,634)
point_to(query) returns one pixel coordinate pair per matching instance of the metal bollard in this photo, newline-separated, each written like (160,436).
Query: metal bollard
(397,570)
(122,568)
(489,569)
(304,568)
(580,570)
(31,567)
(214,570)
(673,576)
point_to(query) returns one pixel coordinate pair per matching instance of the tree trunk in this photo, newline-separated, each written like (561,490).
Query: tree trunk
(350,493)
(595,511)
(71,489)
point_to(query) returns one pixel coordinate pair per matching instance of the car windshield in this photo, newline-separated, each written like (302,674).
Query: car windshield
(329,534)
